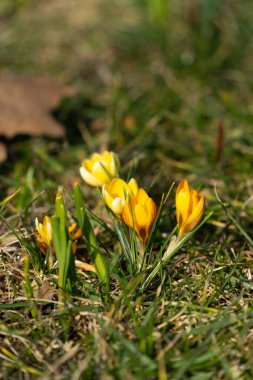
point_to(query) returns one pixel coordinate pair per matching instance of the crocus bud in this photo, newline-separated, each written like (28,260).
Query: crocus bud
(99,168)
(190,207)
(45,230)
(139,212)
(116,192)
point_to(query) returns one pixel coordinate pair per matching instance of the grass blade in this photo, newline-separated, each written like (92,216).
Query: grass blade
(175,249)
(89,237)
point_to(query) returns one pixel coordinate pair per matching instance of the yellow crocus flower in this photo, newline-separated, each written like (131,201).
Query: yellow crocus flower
(190,207)
(116,192)
(44,231)
(139,212)
(99,168)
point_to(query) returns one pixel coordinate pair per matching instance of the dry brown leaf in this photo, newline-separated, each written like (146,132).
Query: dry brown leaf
(46,291)
(3,152)
(87,267)
(26,103)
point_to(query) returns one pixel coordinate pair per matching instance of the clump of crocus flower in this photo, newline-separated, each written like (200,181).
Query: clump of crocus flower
(44,238)
(44,234)
(190,206)
(134,208)
(99,168)
(139,213)
(116,192)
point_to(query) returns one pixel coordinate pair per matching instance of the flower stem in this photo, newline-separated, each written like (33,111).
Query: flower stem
(141,258)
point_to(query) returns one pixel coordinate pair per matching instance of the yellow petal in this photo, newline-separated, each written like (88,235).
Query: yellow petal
(117,205)
(127,213)
(118,188)
(96,157)
(71,228)
(196,215)
(38,226)
(100,171)
(89,178)
(133,186)
(183,185)
(87,164)
(107,156)
(47,230)
(142,196)
(195,197)
(107,196)
(152,212)
(140,215)
(182,202)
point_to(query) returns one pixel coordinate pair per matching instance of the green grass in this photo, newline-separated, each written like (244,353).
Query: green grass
(157,80)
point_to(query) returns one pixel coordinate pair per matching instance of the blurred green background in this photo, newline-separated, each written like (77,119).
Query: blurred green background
(169,80)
